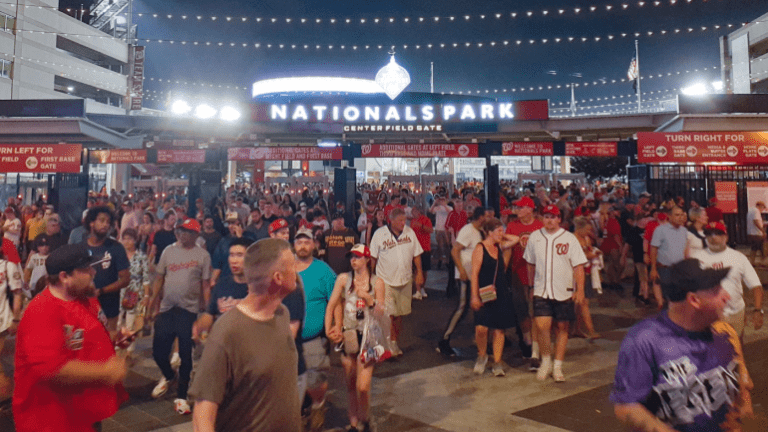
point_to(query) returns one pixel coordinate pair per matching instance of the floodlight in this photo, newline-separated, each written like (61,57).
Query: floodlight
(718,85)
(205,111)
(180,107)
(229,114)
(698,89)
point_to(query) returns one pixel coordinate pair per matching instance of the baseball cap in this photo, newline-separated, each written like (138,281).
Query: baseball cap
(191,225)
(525,202)
(360,250)
(70,257)
(715,228)
(338,215)
(551,210)
(277,225)
(302,204)
(41,240)
(688,276)
(304,231)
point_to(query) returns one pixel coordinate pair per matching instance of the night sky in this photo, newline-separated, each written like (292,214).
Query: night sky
(456,69)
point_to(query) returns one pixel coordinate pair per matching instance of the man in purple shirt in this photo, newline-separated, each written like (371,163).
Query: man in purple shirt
(682,370)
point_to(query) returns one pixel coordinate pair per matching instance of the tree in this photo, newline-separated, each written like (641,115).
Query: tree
(600,168)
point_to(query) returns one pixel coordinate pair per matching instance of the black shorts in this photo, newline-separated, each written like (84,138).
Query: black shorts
(426,261)
(559,310)
(520,302)
(755,242)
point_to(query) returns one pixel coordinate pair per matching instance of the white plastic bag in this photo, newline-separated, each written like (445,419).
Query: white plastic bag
(375,344)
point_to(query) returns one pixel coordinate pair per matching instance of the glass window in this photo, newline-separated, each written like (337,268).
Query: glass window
(10,23)
(5,68)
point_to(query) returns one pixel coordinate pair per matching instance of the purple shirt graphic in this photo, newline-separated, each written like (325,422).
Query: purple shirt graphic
(689,380)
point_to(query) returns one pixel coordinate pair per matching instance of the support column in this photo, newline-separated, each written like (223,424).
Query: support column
(231,173)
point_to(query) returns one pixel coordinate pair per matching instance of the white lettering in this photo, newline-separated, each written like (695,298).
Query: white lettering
(372,113)
(300,113)
(427,113)
(467,112)
(320,111)
(279,111)
(448,111)
(409,115)
(486,112)
(392,114)
(335,113)
(351,113)
(505,111)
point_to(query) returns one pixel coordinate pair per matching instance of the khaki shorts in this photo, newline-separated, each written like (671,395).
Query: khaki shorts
(736,321)
(397,299)
(317,360)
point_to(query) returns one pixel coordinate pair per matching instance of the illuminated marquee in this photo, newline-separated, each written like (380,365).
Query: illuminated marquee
(319,113)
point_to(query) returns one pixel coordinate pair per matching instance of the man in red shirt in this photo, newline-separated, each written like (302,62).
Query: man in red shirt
(422,226)
(714,214)
(525,224)
(68,377)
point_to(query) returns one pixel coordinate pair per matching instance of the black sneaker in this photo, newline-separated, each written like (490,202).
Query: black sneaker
(444,348)
(534,364)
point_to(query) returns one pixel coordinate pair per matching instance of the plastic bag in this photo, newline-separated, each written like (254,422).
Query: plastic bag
(375,344)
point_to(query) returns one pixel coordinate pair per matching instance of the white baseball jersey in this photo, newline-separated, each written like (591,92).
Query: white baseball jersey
(741,271)
(555,256)
(395,254)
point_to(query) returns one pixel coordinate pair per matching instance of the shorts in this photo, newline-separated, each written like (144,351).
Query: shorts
(397,299)
(559,310)
(737,321)
(520,302)
(317,360)
(755,242)
(110,304)
(426,261)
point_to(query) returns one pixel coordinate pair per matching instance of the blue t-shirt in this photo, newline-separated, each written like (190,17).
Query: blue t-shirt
(318,281)
(689,380)
(226,294)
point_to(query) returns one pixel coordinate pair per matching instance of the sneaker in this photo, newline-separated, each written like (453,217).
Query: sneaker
(498,370)
(544,371)
(417,295)
(444,348)
(423,293)
(394,349)
(161,388)
(533,366)
(480,365)
(175,360)
(182,406)
(557,374)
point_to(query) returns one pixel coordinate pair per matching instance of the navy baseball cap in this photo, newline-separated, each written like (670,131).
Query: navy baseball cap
(67,258)
(689,276)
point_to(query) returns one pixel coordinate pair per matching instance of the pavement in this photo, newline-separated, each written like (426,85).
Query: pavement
(424,391)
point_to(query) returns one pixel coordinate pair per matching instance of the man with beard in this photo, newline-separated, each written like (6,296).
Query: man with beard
(183,276)
(67,373)
(113,272)
(247,379)
(229,290)
(256,225)
(318,280)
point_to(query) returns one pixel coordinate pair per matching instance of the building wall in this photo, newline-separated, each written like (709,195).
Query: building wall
(46,43)
(741,61)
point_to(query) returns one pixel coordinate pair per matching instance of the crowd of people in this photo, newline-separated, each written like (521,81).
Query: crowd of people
(271,281)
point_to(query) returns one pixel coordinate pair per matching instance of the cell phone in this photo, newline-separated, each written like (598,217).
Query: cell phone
(127,338)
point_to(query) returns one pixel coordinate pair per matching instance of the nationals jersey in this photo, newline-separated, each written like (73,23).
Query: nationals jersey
(555,256)
(741,270)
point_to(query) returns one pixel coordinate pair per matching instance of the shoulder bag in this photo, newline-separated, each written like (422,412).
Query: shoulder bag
(488,292)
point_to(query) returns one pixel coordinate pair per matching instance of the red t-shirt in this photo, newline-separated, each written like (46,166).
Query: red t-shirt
(456,221)
(714,214)
(519,266)
(612,229)
(418,226)
(52,333)
(649,229)
(10,252)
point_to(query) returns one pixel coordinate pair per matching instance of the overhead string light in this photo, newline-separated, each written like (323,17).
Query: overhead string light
(507,43)
(192,83)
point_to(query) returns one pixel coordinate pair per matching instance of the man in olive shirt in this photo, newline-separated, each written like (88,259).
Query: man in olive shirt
(246,379)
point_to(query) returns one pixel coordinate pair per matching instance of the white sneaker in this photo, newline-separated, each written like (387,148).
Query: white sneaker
(161,388)
(423,293)
(545,370)
(557,374)
(480,363)
(175,360)
(182,406)
(417,295)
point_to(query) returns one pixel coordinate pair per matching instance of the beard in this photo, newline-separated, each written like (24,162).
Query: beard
(81,292)
(303,253)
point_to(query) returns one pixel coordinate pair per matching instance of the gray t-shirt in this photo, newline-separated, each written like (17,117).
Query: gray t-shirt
(248,368)
(184,271)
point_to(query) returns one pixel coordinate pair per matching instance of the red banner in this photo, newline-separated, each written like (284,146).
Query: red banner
(419,150)
(594,148)
(527,148)
(40,158)
(727,197)
(739,147)
(180,156)
(284,153)
(117,156)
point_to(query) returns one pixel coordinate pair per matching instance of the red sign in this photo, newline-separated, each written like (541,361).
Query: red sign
(117,156)
(594,148)
(700,147)
(137,78)
(284,153)
(527,148)
(727,197)
(180,156)
(419,150)
(40,158)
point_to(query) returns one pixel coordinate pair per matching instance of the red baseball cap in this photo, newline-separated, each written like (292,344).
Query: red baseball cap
(551,210)
(525,202)
(277,225)
(191,225)
(360,250)
(714,227)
